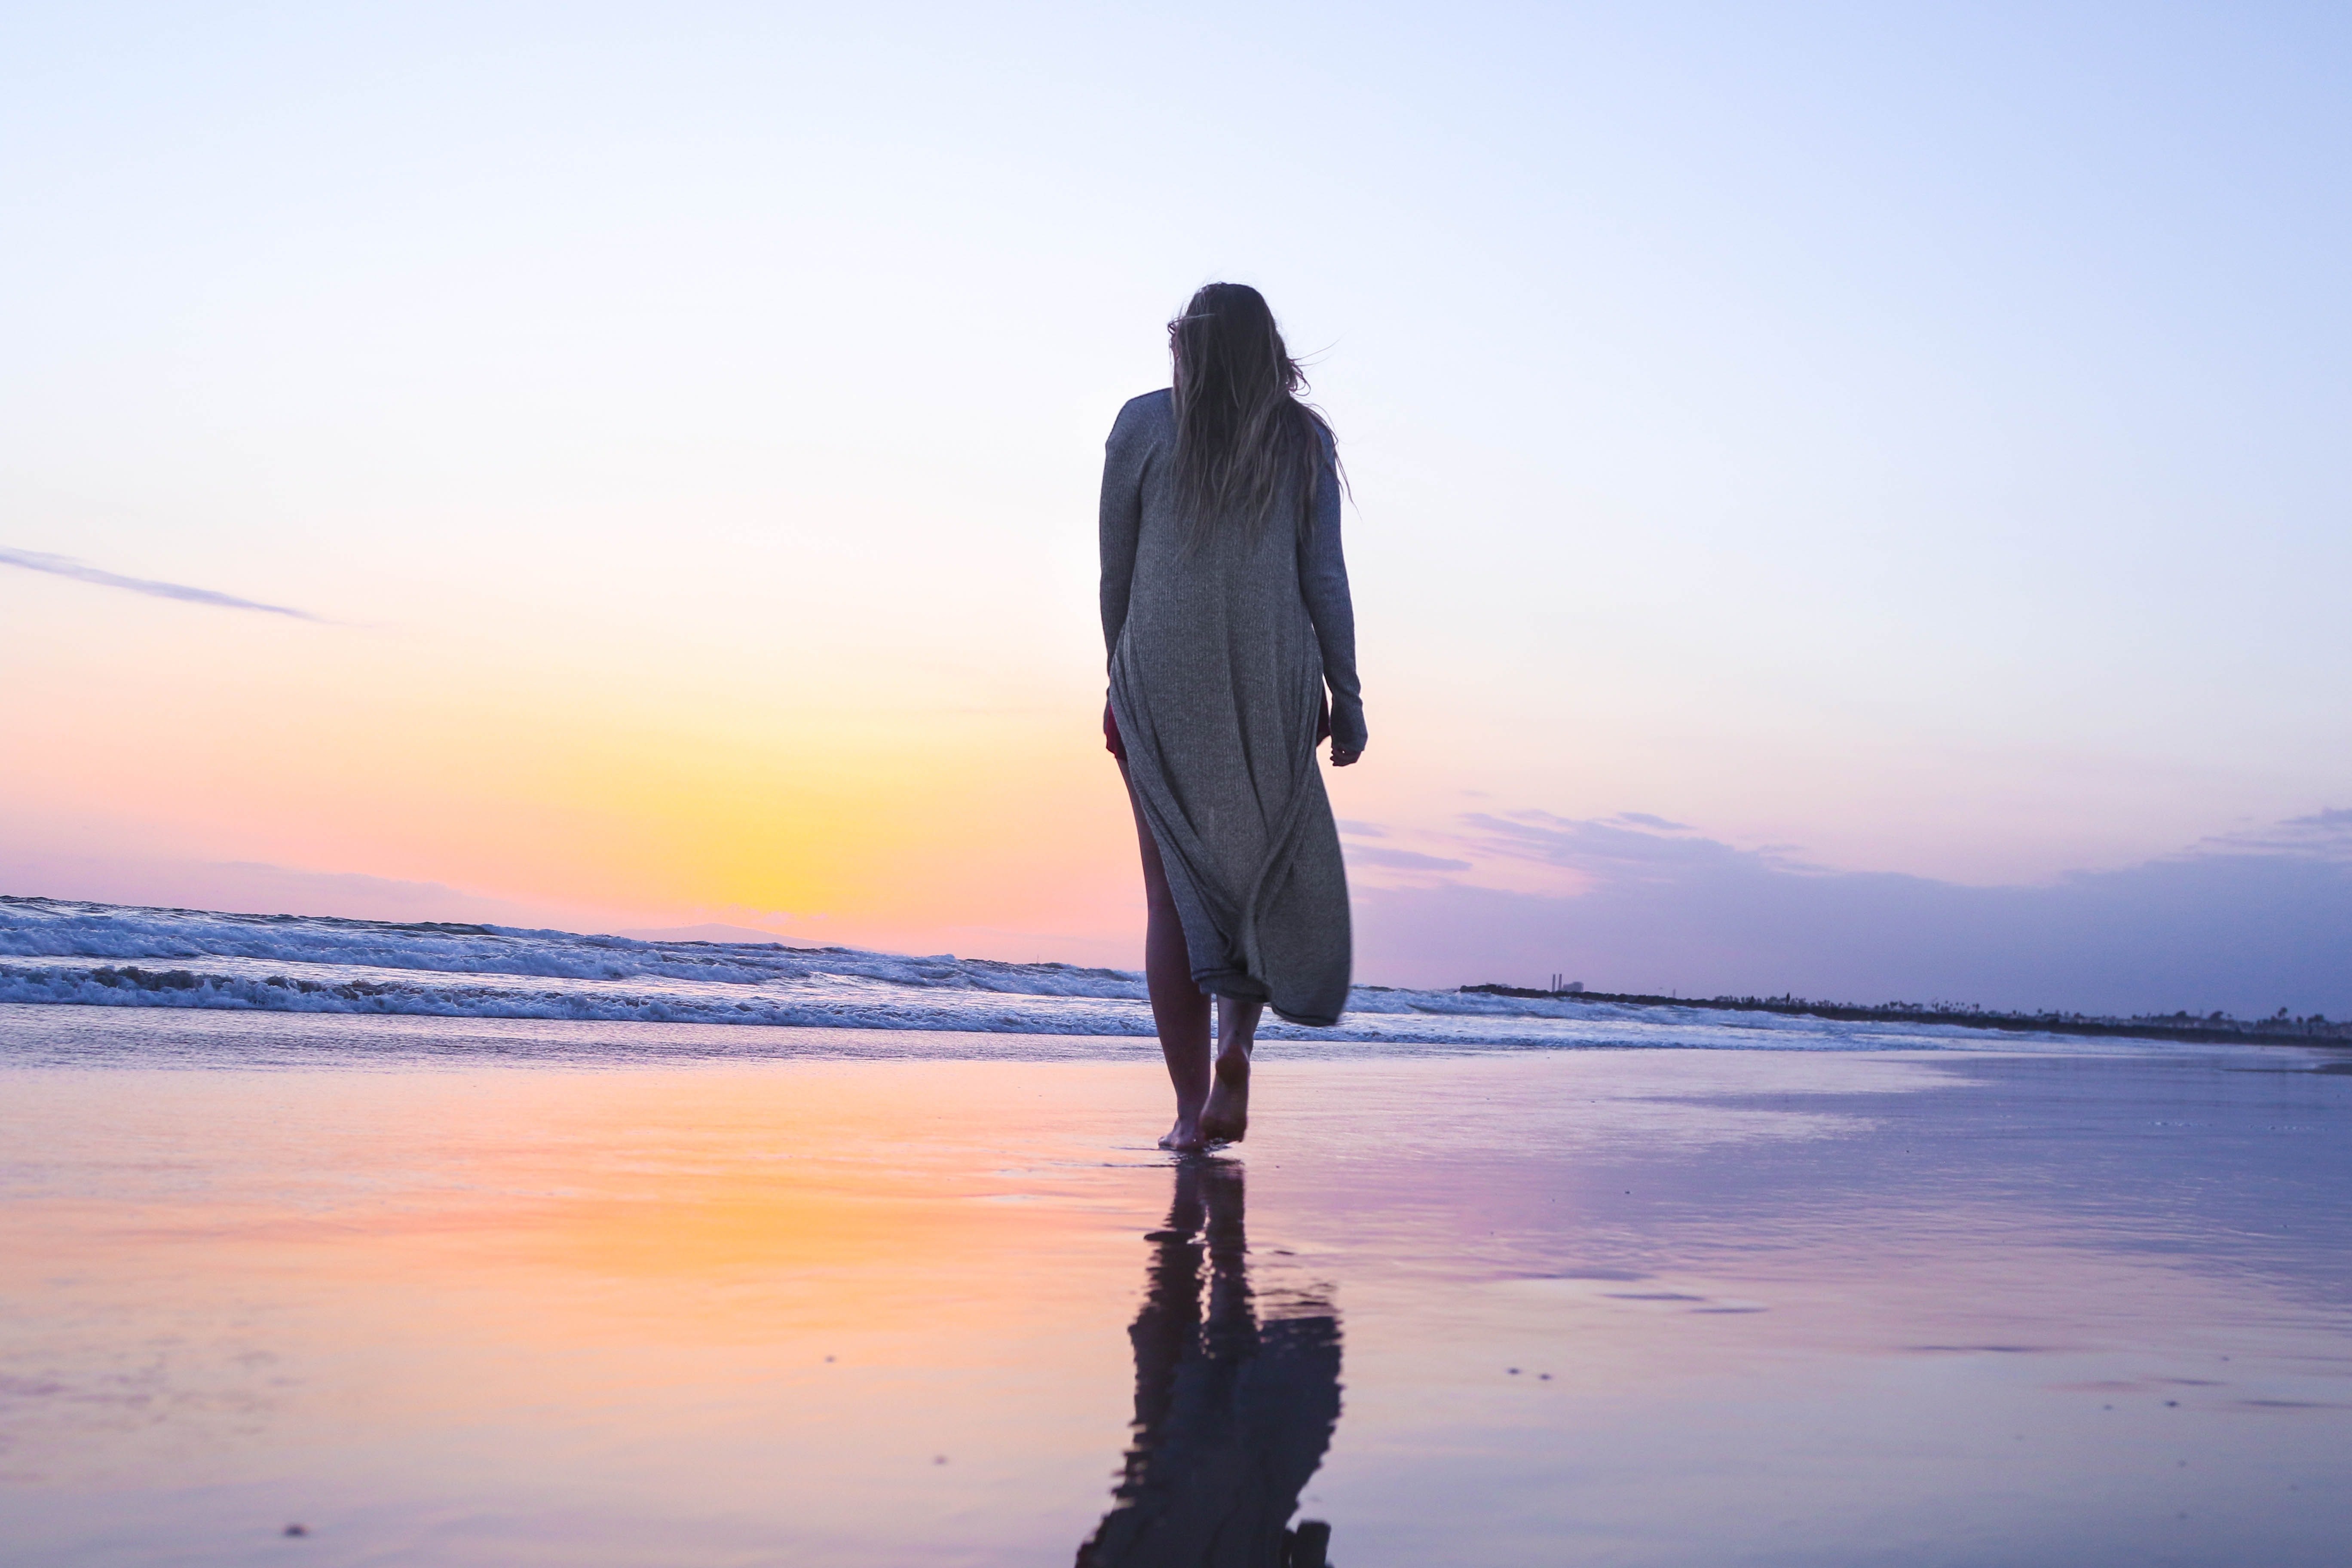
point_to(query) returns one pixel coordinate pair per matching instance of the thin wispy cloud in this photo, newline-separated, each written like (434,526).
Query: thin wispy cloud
(1633,844)
(1401,859)
(66,566)
(2322,836)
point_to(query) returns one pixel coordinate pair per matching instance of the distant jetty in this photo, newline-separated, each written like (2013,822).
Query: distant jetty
(2279,1029)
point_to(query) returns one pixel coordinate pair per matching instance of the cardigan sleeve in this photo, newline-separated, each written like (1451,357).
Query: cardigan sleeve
(1323,580)
(1125,456)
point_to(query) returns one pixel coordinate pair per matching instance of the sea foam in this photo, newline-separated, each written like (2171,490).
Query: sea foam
(60,950)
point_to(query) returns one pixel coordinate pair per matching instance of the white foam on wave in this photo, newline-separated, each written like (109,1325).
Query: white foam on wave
(57,951)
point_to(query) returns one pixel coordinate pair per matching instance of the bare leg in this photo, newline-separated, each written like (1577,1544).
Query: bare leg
(1226,1115)
(1179,1009)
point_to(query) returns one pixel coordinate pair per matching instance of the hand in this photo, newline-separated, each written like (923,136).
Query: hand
(1342,756)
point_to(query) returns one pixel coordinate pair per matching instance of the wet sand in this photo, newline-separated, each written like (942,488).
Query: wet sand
(1607,1306)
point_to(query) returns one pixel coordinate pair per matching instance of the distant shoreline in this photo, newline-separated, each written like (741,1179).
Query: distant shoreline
(2217,1028)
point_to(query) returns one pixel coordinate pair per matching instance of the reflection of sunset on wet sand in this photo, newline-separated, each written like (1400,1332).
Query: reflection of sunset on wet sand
(1650,1306)
(653,1294)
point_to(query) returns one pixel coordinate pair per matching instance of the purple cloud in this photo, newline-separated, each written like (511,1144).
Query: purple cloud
(2250,923)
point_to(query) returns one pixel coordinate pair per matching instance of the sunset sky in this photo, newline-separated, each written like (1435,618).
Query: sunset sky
(1845,496)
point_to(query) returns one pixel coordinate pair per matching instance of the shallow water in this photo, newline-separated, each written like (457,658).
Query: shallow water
(1621,1307)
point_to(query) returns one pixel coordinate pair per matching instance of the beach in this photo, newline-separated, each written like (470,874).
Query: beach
(702,700)
(936,1298)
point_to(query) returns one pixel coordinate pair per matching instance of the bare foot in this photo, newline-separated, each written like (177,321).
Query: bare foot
(1185,1137)
(1226,1117)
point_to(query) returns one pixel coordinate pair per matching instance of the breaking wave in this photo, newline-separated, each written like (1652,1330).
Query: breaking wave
(63,952)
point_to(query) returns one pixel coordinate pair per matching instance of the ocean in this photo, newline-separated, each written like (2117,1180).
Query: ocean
(773,995)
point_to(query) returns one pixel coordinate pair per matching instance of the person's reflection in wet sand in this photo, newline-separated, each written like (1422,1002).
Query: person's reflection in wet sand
(1233,1411)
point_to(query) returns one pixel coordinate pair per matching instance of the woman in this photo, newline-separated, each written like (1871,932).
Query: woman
(1225,611)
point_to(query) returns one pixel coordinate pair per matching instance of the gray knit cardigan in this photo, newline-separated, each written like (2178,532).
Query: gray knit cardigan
(1219,662)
